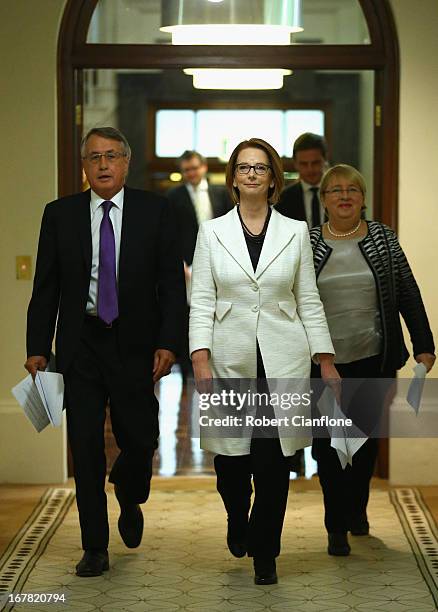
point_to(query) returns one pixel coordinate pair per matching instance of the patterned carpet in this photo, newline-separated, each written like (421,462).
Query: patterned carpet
(183,562)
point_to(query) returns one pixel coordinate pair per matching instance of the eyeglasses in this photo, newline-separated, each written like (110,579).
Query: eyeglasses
(336,192)
(110,156)
(259,169)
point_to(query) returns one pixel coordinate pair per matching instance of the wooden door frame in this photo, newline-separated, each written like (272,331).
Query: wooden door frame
(381,56)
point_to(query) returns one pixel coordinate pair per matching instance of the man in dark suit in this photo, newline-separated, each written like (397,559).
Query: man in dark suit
(301,200)
(194,201)
(109,276)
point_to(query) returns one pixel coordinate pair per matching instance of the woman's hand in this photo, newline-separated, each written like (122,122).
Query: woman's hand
(202,371)
(330,375)
(427,359)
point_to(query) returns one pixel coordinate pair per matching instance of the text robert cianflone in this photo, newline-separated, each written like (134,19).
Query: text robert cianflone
(264,421)
(230,398)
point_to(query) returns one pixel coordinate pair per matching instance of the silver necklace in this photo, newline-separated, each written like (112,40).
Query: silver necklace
(353,231)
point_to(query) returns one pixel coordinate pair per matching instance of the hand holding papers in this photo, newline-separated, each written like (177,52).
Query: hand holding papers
(42,400)
(415,390)
(342,441)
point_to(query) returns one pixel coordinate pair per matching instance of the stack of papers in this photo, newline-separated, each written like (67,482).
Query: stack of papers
(42,401)
(415,390)
(345,446)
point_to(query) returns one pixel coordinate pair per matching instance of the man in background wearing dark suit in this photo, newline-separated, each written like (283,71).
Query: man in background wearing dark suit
(194,201)
(301,200)
(109,277)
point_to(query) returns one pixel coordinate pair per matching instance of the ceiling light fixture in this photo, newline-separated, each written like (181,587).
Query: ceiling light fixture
(237,78)
(231,22)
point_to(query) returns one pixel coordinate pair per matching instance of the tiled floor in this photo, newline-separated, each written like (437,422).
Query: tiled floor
(183,562)
(179,465)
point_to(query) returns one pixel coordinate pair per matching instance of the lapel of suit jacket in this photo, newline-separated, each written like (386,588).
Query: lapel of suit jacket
(302,207)
(129,224)
(83,216)
(189,205)
(213,201)
(278,236)
(229,232)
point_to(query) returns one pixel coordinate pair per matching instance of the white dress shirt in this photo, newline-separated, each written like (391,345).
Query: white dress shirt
(308,195)
(96,214)
(201,200)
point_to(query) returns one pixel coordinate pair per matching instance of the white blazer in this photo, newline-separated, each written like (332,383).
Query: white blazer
(278,305)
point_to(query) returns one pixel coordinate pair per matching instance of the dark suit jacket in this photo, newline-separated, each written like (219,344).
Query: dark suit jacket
(291,202)
(186,214)
(151,281)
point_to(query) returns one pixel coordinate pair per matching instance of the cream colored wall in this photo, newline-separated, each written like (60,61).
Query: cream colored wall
(28,40)
(414,461)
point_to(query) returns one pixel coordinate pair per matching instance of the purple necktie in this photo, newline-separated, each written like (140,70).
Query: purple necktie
(107,302)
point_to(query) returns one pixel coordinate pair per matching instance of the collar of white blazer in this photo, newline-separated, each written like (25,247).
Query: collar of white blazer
(229,233)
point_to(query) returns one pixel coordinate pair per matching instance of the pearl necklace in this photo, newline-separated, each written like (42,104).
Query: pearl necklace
(353,231)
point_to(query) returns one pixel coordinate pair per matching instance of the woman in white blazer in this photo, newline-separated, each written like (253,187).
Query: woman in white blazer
(255,313)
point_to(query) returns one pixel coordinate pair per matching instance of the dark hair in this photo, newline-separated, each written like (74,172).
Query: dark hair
(111,134)
(274,162)
(307,141)
(187,155)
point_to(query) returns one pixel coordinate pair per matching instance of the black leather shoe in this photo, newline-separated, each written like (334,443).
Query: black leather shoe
(265,571)
(236,539)
(130,520)
(359,526)
(93,563)
(296,463)
(338,545)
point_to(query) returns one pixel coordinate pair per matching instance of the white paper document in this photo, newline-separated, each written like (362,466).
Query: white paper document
(345,446)
(415,390)
(42,400)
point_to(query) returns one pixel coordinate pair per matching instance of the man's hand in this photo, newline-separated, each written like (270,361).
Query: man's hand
(187,272)
(163,362)
(35,363)
(427,359)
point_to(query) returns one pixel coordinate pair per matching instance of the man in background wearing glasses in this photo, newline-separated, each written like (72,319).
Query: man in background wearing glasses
(109,276)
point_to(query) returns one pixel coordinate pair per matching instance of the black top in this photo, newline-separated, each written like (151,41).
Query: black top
(254,242)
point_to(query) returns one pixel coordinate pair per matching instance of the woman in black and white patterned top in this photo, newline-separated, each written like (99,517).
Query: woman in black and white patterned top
(365,284)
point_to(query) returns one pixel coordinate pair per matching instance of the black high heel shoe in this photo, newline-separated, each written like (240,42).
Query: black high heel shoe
(237,539)
(265,571)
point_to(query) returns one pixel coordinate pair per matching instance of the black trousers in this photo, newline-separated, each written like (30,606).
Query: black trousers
(346,492)
(185,363)
(97,376)
(270,472)
(269,469)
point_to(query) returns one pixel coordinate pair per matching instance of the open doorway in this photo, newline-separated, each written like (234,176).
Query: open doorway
(346,40)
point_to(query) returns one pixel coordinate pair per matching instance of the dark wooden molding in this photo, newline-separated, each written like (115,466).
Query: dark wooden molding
(296,57)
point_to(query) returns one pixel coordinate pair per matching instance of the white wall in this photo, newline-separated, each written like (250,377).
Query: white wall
(28,40)
(414,461)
